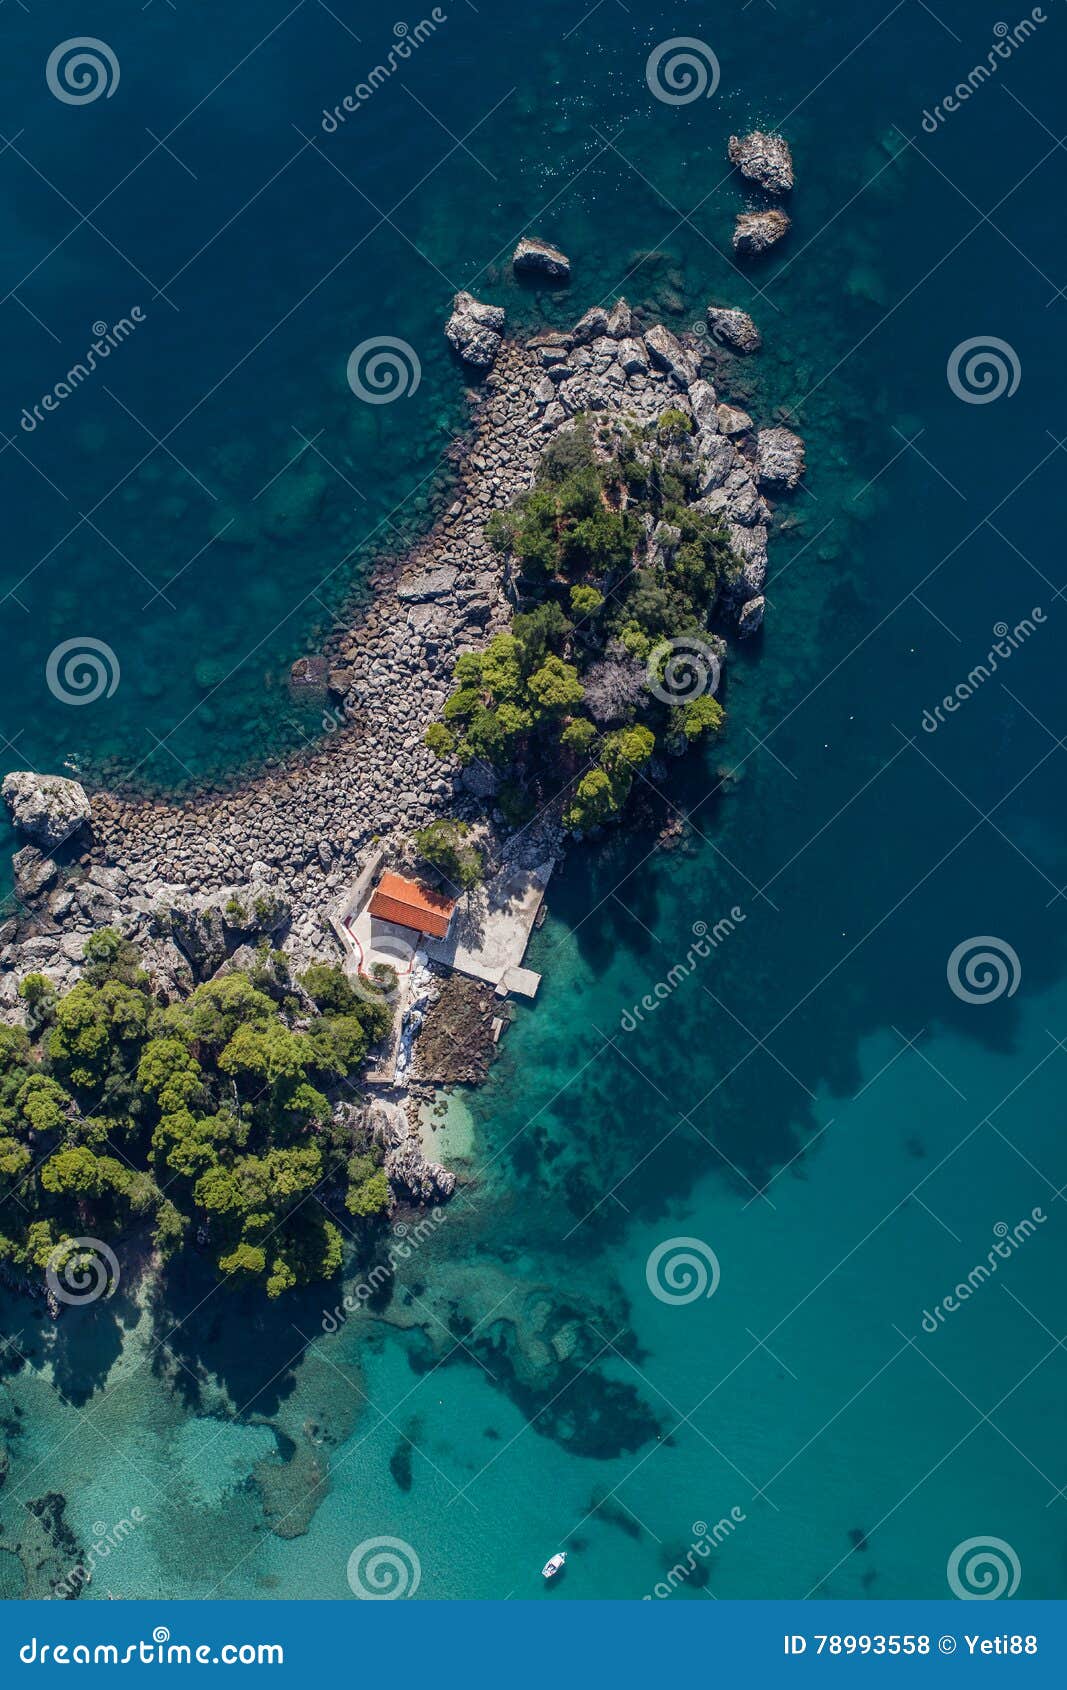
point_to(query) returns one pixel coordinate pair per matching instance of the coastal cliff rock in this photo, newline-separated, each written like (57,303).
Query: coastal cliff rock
(734,329)
(474,330)
(538,258)
(412,1177)
(751,617)
(756,231)
(208,930)
(49,809)
(763,158)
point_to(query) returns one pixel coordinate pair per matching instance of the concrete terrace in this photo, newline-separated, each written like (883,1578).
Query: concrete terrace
(491,929)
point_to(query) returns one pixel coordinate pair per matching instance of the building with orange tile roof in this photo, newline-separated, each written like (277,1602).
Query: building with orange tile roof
(410,904)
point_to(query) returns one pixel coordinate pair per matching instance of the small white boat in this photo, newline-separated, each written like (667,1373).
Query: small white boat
(556,1565)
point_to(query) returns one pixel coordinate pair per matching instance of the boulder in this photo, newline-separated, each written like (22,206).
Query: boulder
(633,357)
(34,872)
(732,420)
(48,808)
(763,158)
(537,258)
(755,231)
(474,330)
(435,583)
(668,353)
(751,616)
(308,676)
(779,457)
(733,329)
(703,399)
(620,320)
(209,929)
(587,328)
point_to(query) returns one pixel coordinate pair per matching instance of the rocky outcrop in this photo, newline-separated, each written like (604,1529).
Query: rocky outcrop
(537,258)
(208,930)
(34,872)
(49,809)
(412,1177)
(732,420)
(474,331)
(668,353)
(763,158)
(750,617)
(779,457)
(303,828)
(733,329)
(756,231)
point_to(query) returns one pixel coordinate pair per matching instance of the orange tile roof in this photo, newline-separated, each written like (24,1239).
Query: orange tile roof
(411,905)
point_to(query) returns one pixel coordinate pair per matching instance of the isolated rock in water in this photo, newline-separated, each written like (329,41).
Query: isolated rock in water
(537,258)
(779,457)
(734,329)
(751,616)
(755,231)
(412,1177)
(763,158)
(48,808)
(473,330)
(308,675)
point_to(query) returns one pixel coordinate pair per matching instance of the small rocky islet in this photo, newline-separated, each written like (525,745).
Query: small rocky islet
(205,888)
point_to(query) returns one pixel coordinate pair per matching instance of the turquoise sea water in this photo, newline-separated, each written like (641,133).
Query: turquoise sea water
(813,1104)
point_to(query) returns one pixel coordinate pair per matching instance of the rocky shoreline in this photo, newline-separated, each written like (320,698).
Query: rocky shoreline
(196,881)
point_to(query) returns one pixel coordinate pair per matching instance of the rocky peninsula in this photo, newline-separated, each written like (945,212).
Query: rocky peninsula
(206,887)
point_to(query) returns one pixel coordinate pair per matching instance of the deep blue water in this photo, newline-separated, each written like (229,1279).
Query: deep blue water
(814,1104)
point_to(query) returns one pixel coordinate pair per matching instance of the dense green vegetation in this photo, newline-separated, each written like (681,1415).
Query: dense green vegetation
(613,559)
(208,1120)
(444,845)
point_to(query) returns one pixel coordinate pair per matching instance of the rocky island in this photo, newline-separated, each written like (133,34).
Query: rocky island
(193,1028)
